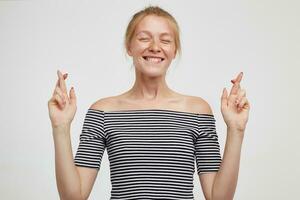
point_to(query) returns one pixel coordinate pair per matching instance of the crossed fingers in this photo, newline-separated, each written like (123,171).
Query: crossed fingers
(240,94)
(236,84)
(60,87)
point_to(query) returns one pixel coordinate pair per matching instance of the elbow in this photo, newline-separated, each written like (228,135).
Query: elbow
(72,197)
(71,194)
(219,196)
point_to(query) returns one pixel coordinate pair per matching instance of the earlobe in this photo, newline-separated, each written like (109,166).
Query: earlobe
(129,52)
(174,55)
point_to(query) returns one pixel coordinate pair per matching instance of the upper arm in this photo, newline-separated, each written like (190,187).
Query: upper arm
(207,181)
(88,158)
(206,142)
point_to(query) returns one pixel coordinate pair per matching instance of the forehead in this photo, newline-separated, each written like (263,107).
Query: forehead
(154,25)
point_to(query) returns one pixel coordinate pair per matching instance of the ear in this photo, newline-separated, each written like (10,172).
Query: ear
(174,56)
(128,50)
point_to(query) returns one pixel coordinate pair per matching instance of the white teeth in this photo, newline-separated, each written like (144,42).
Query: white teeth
(155,60)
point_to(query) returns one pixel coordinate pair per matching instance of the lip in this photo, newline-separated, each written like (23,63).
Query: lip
(162,58)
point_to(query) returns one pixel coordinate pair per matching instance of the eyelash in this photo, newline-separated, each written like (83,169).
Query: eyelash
(146,39)
(143,39)
(166,41)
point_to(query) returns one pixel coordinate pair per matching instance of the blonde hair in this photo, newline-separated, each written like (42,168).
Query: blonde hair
(157,11)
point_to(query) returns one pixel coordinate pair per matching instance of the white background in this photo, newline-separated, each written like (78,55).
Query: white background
(85,39)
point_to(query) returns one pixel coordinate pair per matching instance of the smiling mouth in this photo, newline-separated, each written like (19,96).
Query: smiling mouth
(153,59)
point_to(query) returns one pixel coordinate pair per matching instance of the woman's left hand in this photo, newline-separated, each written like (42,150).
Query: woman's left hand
(235,107)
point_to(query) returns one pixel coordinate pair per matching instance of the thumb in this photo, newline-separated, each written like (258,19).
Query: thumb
(224,97)
(72,96)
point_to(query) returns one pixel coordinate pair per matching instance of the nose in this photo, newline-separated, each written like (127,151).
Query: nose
(154,46)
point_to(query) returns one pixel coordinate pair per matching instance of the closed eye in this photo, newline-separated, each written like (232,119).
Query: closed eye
(166,41)
(144,39)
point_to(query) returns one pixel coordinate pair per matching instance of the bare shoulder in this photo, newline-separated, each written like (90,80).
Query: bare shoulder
(104,103)
(199,105)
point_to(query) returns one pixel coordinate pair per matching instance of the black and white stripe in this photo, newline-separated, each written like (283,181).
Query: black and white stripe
(152,152)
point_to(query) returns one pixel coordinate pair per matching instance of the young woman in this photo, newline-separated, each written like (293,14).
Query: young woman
(152,133)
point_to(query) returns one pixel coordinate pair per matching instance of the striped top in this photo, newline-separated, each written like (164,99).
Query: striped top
(152,152)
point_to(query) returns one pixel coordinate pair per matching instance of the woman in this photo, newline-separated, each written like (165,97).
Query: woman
(152,134)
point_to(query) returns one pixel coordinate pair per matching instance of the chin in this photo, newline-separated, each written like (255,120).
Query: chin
(155,72)
(149,69)
(152,71)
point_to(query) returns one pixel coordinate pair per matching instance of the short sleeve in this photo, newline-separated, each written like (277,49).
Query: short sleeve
(92,140)
(207,148)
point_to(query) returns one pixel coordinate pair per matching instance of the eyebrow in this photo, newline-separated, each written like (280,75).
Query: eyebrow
(147,32)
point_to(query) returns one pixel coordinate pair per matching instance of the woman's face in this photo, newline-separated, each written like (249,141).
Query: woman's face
(152,46)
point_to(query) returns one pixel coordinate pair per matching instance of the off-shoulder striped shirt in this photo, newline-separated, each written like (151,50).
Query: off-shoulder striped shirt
(151,152)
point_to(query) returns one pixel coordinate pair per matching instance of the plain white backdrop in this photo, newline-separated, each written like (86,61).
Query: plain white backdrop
(85,39)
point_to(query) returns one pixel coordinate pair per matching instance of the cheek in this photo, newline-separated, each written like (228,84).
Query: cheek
(170,51)
(138,48)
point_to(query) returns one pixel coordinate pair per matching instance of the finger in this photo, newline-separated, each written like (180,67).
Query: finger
(235,88)
(224,100)
(236,85)
(242,103)
(64,76)
(237,78)
(62,83)
(233,81)
(60,93)
(59,100)
(57,82)
(73,98)
(240,95)
(59,77)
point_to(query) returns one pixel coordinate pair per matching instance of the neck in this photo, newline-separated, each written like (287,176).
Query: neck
(150,88)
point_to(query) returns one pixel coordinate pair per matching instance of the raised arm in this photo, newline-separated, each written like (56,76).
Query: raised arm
(235,110)
(72,182)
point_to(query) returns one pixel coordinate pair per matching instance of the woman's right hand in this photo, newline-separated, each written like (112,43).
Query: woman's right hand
(62,108)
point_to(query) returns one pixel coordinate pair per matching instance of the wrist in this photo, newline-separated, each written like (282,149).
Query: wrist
(235,129)
(235,132)
(61,127)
